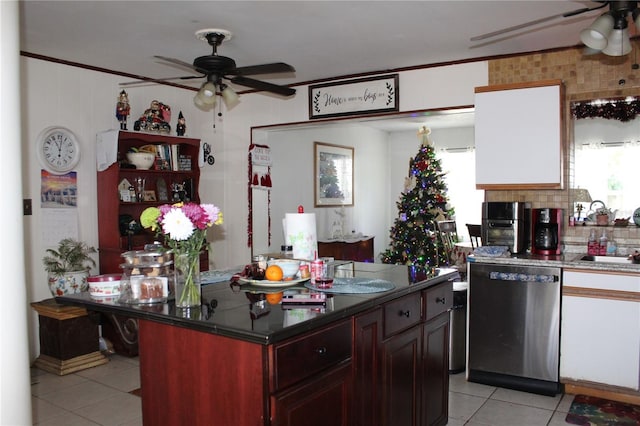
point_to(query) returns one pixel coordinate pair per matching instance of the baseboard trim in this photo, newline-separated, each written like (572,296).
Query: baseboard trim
(62,367)
(612,393)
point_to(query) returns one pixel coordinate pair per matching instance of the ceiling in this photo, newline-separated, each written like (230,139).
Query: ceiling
(321,39)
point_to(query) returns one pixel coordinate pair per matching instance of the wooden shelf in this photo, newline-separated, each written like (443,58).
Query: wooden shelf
(111,242)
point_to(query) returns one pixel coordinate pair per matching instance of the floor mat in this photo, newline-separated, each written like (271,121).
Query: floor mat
(592,411)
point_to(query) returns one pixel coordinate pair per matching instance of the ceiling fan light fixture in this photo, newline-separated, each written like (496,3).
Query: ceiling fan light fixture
(198,103)
(229,96)
(208,91)
(596,35)
(206,96)
(619,44)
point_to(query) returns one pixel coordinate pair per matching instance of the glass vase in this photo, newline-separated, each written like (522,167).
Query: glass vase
(187,279)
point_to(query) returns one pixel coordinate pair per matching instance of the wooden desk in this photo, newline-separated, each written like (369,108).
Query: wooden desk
(69,339)
(360,250)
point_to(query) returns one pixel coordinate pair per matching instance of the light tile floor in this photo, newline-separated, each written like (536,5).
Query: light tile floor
(100,396)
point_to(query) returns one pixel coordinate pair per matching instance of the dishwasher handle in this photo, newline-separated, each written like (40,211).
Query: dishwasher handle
(521,277)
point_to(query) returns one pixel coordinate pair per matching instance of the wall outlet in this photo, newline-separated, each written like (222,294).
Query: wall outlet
(26,207)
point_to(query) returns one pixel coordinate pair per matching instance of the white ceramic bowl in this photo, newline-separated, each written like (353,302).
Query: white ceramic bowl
(289,267)
(142,160)
(107,285)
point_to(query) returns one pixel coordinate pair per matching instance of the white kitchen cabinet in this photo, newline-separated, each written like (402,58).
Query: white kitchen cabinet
(600,332)
(519,136)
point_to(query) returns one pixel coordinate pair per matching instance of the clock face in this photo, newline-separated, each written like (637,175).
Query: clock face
(58,150)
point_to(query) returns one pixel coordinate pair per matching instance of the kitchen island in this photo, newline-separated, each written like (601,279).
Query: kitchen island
(243,358)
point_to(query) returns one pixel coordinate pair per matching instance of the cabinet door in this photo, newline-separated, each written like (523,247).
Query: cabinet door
(401,377)
(519,136)
(366,368)
(599,341)
(600,318)
(435,371)
(321,401)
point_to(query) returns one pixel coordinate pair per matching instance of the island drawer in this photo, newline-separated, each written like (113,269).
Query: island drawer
(438,299)
(299,358)
(402,313)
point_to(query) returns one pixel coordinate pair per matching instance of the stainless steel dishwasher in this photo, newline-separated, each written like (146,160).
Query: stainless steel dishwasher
(514,327)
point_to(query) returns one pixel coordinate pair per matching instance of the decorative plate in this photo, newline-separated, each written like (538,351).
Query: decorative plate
(636,216)
(267,283)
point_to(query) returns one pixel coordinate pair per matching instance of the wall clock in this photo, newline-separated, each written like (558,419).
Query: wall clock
(58,149)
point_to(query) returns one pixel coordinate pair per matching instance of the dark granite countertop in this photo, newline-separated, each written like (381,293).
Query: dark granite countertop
(244,312)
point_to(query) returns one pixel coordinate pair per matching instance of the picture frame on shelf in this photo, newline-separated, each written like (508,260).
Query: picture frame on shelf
(163,193)
(149,195)
(333,175)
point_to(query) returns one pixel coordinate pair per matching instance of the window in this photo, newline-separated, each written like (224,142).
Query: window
(460,166)
(607,153)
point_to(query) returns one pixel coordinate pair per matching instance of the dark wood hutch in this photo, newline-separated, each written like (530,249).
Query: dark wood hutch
(111,208)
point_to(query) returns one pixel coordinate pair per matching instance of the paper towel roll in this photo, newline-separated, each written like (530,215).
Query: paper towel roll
(300,232)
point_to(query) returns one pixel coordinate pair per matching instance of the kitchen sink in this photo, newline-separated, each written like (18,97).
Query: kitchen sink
(608,259)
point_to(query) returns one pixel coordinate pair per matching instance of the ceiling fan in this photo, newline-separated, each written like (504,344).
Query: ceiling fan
(608,34)
(215,68)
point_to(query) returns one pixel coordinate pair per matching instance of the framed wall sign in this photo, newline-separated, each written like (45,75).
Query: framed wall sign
(354,97)
(333,175)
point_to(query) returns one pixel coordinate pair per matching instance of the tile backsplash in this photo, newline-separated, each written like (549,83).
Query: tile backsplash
(584,78)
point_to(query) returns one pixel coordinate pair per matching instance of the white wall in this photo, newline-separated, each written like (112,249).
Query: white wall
(292,177)
(84,101)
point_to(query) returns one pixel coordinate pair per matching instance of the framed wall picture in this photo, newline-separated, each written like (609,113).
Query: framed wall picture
(333,175)
(360,96)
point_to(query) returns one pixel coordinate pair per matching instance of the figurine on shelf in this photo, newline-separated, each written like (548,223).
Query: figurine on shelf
(155,118)
(123,109)
(181,128)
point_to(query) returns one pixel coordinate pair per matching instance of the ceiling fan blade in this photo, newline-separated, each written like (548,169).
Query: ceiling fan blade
(276,67)
(159,80)
(537,21)
(263,86)
(176,62)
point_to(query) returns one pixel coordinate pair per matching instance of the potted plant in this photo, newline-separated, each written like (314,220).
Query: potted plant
(603,216)
(68,267)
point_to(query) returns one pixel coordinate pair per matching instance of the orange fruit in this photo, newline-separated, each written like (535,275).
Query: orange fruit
(274,298)
(273,273)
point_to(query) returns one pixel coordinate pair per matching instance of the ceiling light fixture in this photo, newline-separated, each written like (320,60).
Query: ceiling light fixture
(229,96)
(205,99)
(609,33)
(206,96)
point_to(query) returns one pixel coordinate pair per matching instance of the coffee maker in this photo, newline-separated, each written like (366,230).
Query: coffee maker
(546,231)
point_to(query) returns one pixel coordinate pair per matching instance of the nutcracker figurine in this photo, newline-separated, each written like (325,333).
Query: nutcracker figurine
(123,109)
(181,128)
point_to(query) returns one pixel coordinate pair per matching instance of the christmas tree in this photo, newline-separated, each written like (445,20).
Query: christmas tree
(329,177)
(422,203)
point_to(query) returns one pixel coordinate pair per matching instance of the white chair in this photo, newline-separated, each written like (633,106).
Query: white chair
(448,237)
